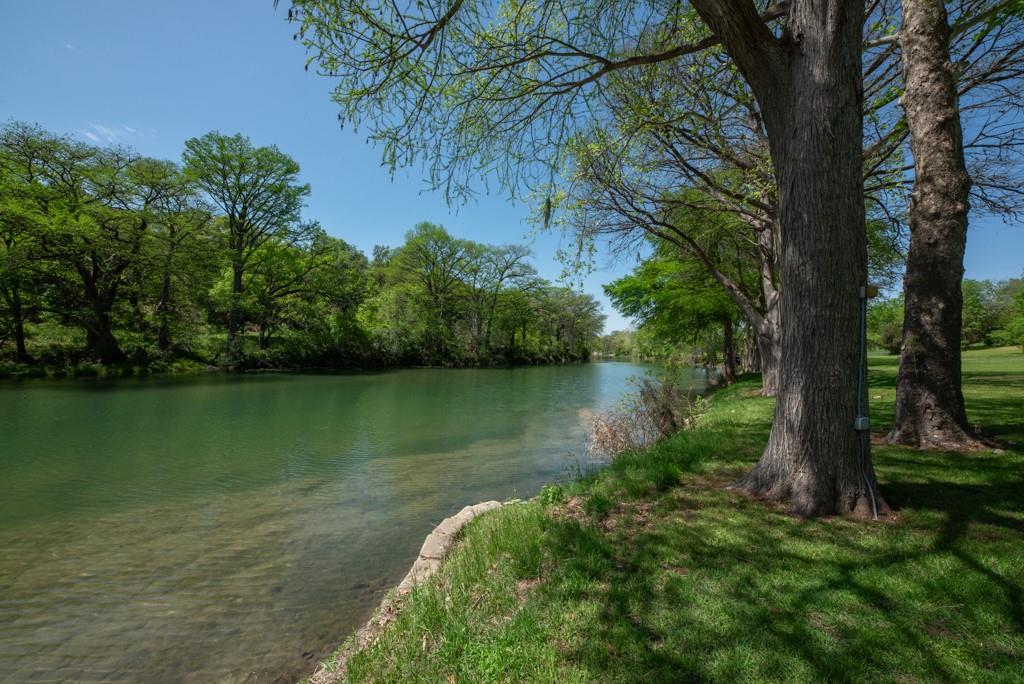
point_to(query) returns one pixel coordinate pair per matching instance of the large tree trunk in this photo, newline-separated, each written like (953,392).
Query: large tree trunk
(99,336)
(728,352)
(809,89)
(929,401)
(770,353)
(99,330)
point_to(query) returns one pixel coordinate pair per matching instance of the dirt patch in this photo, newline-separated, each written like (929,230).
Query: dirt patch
(717,478)
(675,569)
(818,622)
(630,515)
(571,510)
(937,628)
(524,588)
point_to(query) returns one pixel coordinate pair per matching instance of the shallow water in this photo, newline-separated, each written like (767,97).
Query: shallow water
(236,528)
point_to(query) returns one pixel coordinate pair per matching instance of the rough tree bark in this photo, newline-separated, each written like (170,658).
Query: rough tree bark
(809,87)
(751,352)
(100,295)
(99,336)
(929,400)
(728,351)
(770,333)
(769,345)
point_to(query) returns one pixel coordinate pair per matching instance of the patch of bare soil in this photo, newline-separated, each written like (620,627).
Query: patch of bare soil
(524,587)
(570,510)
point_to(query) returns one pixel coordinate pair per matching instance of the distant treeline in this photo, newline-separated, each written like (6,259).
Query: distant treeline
(992,314)
(113,260)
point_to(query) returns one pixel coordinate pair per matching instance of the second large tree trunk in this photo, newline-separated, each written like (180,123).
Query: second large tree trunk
(751,352)
(769,344)
(929,401)
(811,96)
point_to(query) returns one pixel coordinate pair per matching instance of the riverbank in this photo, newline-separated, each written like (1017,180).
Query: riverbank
(190,366)
(653,570)
(231,527)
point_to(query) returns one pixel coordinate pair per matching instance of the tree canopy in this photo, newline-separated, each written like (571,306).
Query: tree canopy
(111,257)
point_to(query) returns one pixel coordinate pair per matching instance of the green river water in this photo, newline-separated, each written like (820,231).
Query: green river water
(236,528)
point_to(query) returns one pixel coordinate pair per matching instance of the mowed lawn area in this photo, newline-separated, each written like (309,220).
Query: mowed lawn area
(653,570)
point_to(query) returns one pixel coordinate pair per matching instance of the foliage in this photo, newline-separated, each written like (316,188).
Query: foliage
(885,324)
(551,494)
(676,301)
(993,313)
(672,296)
(259,194)
(109,257)
(443,300)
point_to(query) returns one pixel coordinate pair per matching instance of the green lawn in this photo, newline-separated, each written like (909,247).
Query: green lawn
(653,571)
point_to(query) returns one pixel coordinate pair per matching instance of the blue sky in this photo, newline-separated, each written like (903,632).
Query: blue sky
(151,74)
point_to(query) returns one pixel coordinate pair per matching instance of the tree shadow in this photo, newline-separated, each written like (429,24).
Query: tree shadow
(722,588)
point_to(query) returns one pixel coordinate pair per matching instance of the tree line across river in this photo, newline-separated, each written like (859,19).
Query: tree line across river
(108,257)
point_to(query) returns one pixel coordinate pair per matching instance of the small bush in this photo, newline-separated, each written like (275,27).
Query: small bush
(658,409)
(551,494)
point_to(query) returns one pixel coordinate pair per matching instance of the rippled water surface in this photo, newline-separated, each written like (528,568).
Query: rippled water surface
(235,528)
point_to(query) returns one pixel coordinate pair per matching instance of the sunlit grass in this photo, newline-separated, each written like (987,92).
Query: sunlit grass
(653,571)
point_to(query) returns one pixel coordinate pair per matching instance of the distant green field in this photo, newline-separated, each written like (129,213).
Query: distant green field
(653,571)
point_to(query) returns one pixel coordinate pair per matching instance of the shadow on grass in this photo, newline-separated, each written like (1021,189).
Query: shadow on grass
(712,586)
(968,509)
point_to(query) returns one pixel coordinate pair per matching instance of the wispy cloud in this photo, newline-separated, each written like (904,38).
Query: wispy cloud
(111,135)
(71,47)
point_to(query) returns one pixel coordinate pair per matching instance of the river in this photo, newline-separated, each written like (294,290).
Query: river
(233,528)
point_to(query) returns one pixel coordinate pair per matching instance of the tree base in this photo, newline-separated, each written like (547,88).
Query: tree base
(809,496)
(939,434)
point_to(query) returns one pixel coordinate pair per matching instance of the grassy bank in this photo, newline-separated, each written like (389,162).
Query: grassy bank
(652,571)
